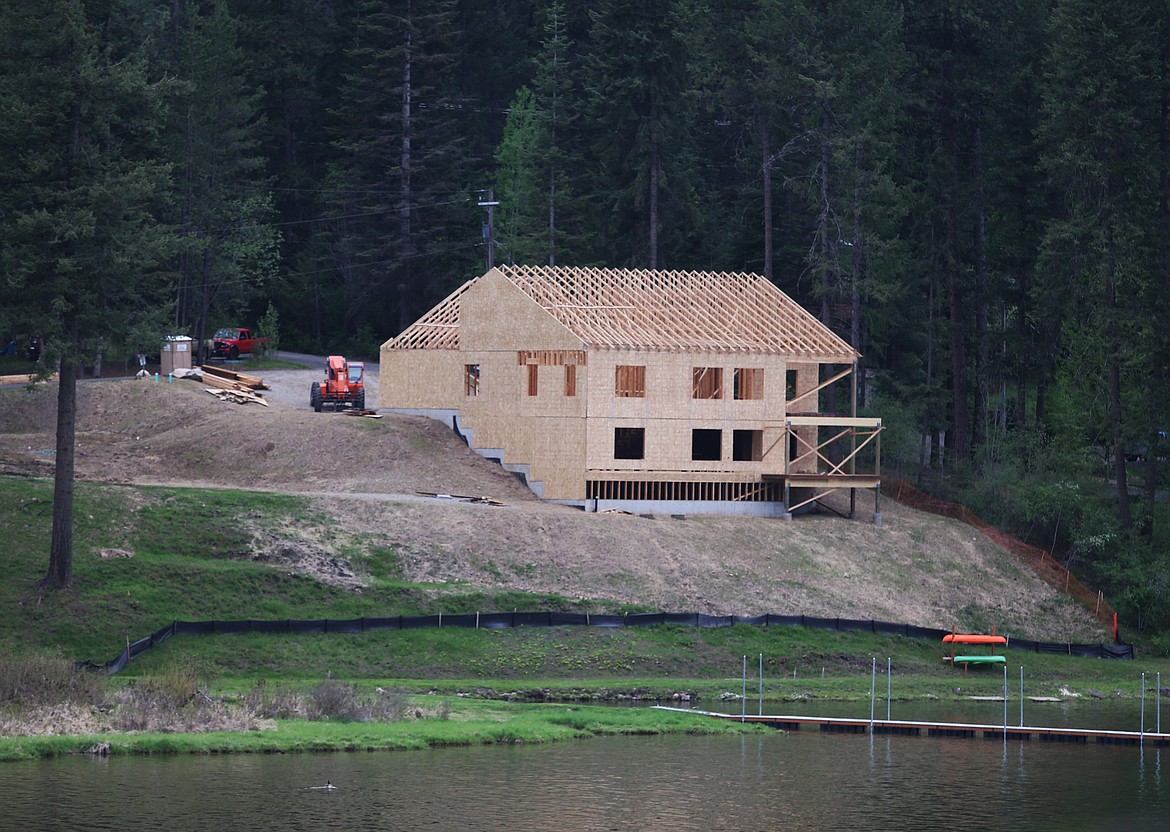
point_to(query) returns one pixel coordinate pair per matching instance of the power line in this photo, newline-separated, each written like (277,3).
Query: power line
(420,255)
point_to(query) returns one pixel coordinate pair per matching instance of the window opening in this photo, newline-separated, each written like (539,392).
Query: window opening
(629,443)
(533,378)
(570,380)
(630,381)
(471,379)
(707,383)
(749,383)
(747,445)
(706,444)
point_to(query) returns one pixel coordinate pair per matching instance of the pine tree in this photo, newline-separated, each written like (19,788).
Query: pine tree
(750,101)
(80,196)
(522,220)
(229,246)
(635,78)
(1101,123)
(557,99)
(400,213)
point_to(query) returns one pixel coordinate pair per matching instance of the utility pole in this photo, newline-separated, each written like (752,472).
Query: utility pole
(489,229)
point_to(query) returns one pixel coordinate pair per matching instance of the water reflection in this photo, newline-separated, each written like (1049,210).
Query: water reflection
(803,780)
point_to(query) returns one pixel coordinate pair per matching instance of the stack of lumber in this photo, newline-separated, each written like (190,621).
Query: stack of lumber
(229,385)
(24,378)
(230,379)
(369,414)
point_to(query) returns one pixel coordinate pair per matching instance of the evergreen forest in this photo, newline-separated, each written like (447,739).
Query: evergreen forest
(975,195)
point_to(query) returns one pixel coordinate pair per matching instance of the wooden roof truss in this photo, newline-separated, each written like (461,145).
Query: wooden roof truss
(436,330)
(679,311)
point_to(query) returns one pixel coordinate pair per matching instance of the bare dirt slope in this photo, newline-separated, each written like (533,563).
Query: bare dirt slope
(367,474)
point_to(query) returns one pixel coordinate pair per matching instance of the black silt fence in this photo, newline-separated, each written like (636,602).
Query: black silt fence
(504,620)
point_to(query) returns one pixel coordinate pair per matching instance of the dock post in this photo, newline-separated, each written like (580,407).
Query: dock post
(888,683)
(1143,737)
(761,684)
(743,696)
(872,686)
(1021,696)
(1158,700)
(1005,702)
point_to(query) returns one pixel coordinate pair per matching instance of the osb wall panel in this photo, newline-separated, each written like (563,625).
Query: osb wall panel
(553,448)
(669,411)
(420,378)
(496,315)
(545,431)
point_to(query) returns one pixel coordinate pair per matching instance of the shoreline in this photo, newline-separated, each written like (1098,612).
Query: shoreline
(445,716)
(468,723)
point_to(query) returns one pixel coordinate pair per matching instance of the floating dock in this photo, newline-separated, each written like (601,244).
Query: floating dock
(841,725)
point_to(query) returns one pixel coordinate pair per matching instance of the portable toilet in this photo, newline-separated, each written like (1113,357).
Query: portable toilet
(175,354)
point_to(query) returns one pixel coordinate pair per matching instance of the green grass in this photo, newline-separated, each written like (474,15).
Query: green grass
(192,561)
(469,722)
(215,517)
(583,663)
(189,563)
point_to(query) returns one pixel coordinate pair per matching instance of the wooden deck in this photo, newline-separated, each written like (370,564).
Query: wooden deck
(840,725)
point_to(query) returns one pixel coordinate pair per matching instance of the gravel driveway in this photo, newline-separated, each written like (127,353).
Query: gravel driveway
(291,387)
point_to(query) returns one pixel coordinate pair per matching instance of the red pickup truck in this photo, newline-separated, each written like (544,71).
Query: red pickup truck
(234,341)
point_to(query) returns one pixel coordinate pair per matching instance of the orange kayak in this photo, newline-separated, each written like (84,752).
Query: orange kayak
(972,638)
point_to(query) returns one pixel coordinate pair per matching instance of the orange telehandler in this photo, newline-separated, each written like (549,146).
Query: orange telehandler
(344,385)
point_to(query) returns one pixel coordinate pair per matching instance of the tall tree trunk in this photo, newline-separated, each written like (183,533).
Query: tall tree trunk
(926,428)
(979,428)
(1038,364)
(1159,377)
(60,572)
(766,170)
(827,246)
(653,201)
(855,281)
(552,217)
(960,420)
(949,118)
(1001,411)
(405,299)
(1113,382)
(823,222)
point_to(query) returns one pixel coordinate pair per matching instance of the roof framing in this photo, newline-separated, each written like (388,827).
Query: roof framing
(641,309)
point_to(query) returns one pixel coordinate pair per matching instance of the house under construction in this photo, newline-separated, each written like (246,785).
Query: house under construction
(646,391)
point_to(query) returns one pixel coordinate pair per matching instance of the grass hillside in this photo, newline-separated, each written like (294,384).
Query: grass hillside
(191,508)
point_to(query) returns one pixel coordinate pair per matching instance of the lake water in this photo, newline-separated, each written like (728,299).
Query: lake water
(805,780)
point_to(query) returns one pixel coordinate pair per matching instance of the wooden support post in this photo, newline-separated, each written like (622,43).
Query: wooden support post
(787,475)
(853,442)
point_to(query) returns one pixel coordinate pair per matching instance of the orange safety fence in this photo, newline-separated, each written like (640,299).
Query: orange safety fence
(1040,561)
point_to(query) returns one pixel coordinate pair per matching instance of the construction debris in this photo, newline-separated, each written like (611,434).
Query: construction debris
(484,501)
(230,386)
(369,414)
(237,396)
